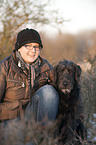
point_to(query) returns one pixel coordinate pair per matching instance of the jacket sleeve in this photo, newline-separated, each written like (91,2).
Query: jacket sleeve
(51,78)
(2,81)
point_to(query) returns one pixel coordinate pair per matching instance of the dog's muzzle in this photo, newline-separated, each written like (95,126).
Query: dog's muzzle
(66,91)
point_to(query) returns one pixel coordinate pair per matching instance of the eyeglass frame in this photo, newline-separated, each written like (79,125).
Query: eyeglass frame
(31,47)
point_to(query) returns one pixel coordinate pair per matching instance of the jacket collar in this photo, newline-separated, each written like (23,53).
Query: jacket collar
(43,66)
(15,66)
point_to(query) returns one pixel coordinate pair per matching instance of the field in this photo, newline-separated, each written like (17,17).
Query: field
(82,50)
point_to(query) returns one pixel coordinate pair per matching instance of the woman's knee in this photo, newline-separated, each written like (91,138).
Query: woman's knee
(48,93)
(45,102)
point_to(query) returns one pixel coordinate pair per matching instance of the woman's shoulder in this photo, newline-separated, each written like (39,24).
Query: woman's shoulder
(5,60)
(44,62)
(5,63)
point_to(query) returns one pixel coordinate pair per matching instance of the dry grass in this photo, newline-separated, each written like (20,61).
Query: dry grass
(68,47)
(27,132)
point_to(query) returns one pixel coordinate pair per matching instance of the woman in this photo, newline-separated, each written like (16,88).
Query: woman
(25,81)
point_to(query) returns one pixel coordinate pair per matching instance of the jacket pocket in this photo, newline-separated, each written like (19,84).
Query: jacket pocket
(10,106)
(9,110)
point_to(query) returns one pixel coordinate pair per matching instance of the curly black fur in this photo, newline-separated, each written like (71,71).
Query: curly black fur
(66,79)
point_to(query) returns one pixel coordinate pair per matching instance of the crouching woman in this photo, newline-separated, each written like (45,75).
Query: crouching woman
(25,81)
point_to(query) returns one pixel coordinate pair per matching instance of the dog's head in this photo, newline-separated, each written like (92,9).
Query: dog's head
(66,75)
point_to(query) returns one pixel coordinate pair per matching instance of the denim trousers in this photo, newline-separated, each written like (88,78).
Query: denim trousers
(43,104)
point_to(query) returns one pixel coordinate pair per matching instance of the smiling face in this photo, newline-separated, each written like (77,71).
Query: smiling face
(30,52)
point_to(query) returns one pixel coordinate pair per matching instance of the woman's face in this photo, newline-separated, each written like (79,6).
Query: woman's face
(30,52)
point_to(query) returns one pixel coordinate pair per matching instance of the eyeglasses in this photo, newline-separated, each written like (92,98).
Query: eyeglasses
(30,47)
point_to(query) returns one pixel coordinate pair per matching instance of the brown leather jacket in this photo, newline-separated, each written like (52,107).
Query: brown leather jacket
(14,93)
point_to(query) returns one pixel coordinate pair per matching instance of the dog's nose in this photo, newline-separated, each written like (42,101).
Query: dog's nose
(65,83)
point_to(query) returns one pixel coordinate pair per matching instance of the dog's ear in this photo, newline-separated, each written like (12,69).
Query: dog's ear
(55,73)
(77,72)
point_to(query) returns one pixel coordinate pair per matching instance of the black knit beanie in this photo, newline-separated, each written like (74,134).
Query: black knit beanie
(27,36)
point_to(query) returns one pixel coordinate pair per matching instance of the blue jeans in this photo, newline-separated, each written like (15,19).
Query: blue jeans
(43,104)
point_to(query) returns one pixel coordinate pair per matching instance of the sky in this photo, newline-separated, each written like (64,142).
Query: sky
(82,14)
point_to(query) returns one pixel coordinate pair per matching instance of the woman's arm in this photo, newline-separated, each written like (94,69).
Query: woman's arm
(2,82)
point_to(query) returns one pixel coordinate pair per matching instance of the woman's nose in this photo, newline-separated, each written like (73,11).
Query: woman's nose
(33,49)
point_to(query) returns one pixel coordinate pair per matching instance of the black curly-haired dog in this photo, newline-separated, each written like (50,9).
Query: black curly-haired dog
(66,79)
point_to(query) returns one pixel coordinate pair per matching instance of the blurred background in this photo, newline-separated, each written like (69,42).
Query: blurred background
(68,31)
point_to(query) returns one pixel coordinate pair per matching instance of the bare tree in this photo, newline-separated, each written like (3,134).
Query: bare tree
(15,15)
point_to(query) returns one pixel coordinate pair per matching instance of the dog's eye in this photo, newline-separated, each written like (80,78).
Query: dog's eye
(70,70)
(62,70)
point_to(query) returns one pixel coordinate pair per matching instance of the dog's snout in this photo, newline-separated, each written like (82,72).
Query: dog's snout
(65,83)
